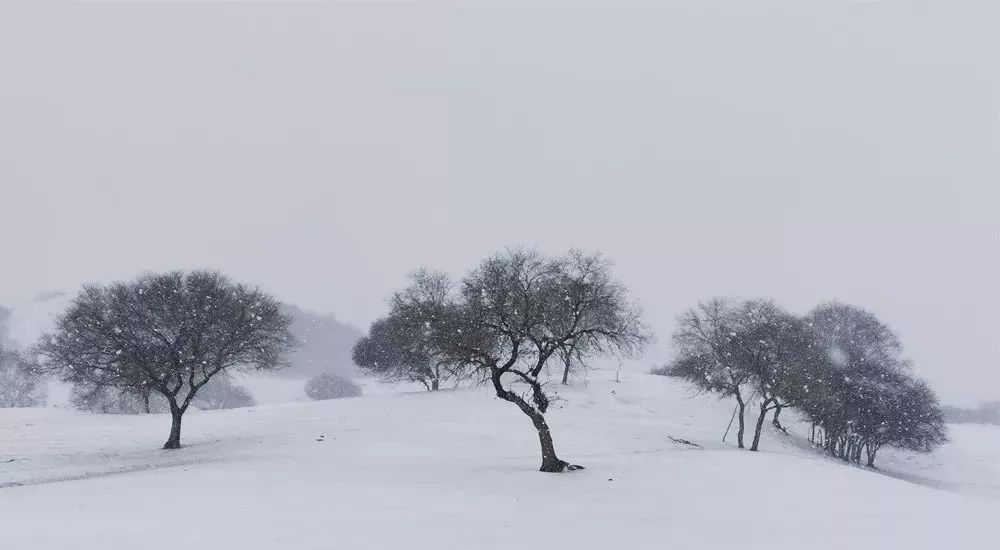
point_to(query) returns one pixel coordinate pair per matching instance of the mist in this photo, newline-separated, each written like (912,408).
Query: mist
(800,151)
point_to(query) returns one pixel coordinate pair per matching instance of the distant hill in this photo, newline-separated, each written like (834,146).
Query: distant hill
(324,344)
(22,324)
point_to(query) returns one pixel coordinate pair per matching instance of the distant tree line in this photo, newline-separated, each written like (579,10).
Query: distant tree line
(986,413)
(839,366)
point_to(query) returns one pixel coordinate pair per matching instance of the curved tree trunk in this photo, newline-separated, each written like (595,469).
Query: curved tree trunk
(550,462)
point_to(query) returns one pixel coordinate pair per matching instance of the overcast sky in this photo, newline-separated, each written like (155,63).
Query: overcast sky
(801,150)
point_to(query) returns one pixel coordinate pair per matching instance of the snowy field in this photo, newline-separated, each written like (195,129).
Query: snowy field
(457,469)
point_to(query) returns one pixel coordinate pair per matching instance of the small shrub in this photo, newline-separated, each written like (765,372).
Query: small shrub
(330,386)
(222,393)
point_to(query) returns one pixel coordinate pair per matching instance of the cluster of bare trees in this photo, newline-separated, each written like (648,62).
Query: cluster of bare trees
(171,340)
(400,347)
(502,325)
(839,366)
(163,342)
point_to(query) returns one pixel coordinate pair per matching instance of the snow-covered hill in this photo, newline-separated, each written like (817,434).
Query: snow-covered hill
(457,469)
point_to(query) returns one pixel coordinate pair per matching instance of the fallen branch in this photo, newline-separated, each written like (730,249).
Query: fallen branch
(682,441)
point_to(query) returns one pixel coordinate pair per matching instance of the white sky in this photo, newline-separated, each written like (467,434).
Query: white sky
(801,150)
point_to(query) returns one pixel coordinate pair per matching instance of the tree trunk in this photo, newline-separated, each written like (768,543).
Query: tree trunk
(776,421)
(435,384)
(550,462)
(567,356)
(145,401)
(871,451)
(760,425)
(742,425)
(174,441)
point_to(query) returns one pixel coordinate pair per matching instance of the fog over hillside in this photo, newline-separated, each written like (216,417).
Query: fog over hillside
(803,150)
(324,344)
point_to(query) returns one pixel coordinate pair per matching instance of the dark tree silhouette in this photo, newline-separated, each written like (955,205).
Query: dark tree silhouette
(707,355)
(171,333)
(839,366)
(773,348)
(862,395)
(519,308)
(401,347)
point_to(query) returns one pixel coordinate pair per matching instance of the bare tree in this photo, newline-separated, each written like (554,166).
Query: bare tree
(21,382)
(865,396)
(171,332)
(518,309)
(707,355)
(773,346)
(402,345)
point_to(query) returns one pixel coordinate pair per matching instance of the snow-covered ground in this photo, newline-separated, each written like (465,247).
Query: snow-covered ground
(457,469)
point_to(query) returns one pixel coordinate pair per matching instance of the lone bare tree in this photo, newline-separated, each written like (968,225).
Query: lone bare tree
(170,332)
(518,309)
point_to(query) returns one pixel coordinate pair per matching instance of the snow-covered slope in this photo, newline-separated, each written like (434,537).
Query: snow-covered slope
(457,469)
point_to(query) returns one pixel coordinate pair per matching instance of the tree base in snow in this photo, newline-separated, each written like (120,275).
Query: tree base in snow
(559,466)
